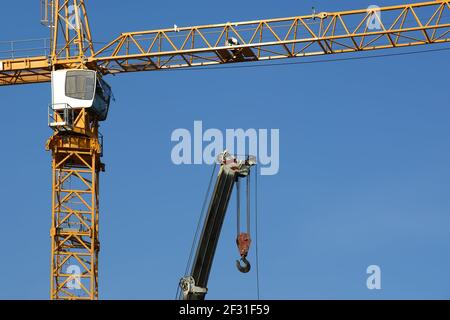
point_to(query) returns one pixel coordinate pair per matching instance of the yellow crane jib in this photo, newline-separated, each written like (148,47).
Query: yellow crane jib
(259,40)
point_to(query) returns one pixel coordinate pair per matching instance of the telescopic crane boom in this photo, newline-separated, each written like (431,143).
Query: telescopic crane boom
(194,286)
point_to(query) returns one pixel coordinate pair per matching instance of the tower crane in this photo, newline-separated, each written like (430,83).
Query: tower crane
(81,97)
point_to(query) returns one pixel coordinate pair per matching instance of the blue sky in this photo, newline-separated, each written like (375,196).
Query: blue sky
(364,168)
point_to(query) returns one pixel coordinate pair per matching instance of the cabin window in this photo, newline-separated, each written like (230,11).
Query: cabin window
(80,84)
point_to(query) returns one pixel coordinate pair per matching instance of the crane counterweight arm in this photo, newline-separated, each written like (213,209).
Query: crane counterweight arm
(259,40)
(25,70)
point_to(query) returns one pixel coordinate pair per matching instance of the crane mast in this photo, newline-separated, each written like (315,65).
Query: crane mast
(74,228)
(74,115)
(76,148)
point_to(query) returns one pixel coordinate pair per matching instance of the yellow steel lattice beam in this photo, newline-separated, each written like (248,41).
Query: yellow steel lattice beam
(75,216)
(260,40)
(71,45)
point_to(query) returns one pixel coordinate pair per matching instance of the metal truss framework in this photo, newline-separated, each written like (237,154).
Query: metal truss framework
(71,38)
(259,40)
(75,216)
(71,45)
(313,35)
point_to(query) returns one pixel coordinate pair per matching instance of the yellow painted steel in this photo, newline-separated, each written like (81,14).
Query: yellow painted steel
(259,40)
(271,39)
(75,243)
(76,163)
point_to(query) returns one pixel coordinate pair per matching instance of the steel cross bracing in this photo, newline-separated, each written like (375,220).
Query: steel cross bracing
(74,230)
(260,40)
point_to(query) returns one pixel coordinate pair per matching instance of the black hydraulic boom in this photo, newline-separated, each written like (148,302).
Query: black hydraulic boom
(194,286)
